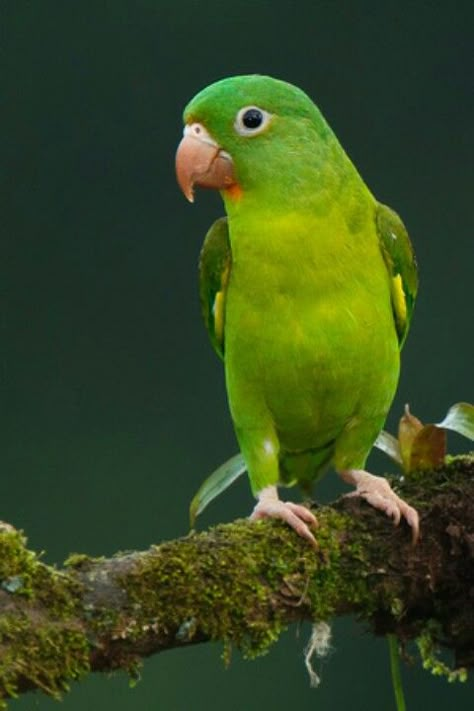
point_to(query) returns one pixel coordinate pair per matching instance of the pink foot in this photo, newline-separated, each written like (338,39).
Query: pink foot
(378,493)
(295,515)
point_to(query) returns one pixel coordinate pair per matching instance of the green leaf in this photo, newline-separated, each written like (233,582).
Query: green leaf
(428,449)
(388,444)
(460,418)
(215,484)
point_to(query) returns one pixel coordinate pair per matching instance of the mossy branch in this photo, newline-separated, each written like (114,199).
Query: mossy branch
(243,583)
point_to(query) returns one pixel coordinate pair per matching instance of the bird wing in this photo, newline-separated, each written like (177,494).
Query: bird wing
(401,264)
(214,271)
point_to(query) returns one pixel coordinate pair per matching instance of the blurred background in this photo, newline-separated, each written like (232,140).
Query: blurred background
(113,403)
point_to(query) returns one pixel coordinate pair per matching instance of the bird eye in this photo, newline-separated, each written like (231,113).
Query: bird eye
(251,121)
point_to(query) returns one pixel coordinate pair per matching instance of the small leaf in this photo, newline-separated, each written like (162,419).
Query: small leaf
(428,449)
(215,484)
(407,430)
(388,444)
(460,418)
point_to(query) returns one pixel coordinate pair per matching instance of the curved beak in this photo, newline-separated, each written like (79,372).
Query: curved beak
(200,161)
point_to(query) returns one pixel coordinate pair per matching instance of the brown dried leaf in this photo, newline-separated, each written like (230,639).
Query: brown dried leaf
(408,429)
(428,448)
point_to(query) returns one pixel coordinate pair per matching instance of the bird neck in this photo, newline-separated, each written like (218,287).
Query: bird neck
(314,181)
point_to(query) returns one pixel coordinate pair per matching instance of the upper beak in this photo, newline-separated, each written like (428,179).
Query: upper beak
(200,161)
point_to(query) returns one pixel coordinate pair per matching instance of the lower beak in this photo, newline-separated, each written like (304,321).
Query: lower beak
(200,161)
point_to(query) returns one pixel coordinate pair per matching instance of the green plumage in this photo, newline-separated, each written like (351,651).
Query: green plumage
(307,288)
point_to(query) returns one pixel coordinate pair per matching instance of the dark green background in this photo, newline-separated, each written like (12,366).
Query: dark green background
(113,405)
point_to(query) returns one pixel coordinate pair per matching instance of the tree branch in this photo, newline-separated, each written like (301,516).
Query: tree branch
(243,583)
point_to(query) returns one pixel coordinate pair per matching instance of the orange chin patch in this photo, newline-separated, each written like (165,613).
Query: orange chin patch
(234,191)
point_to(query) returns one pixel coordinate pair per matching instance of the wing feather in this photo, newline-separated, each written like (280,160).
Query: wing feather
(401,264)
(214,271)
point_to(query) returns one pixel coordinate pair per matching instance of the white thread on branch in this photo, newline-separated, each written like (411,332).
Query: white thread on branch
(319,644)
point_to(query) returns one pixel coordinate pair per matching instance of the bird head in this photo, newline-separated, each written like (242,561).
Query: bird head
(246,134)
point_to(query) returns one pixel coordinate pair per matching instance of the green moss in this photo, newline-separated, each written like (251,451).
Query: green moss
(241,610)
(228,585)
(453,467)
(456,470)
(17,563)
(77,560)
(47,655)
(429,653)
(331,581)
(460,462)
(37,649)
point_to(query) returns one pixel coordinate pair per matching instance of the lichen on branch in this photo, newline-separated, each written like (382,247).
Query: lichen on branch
(243,583)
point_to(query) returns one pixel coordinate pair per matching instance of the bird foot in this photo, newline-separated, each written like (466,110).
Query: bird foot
(378,493)
(295,515)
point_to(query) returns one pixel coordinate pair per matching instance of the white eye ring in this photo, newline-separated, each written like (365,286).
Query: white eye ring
(251,120)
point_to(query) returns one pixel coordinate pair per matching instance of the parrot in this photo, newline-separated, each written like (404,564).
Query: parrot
(307,288)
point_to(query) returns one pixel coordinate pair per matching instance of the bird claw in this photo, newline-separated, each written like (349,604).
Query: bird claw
(378,493)
(295,515)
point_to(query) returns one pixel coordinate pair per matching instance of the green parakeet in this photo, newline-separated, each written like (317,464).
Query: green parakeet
(307,289)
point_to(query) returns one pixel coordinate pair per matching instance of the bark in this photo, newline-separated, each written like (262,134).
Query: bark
(243,583)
